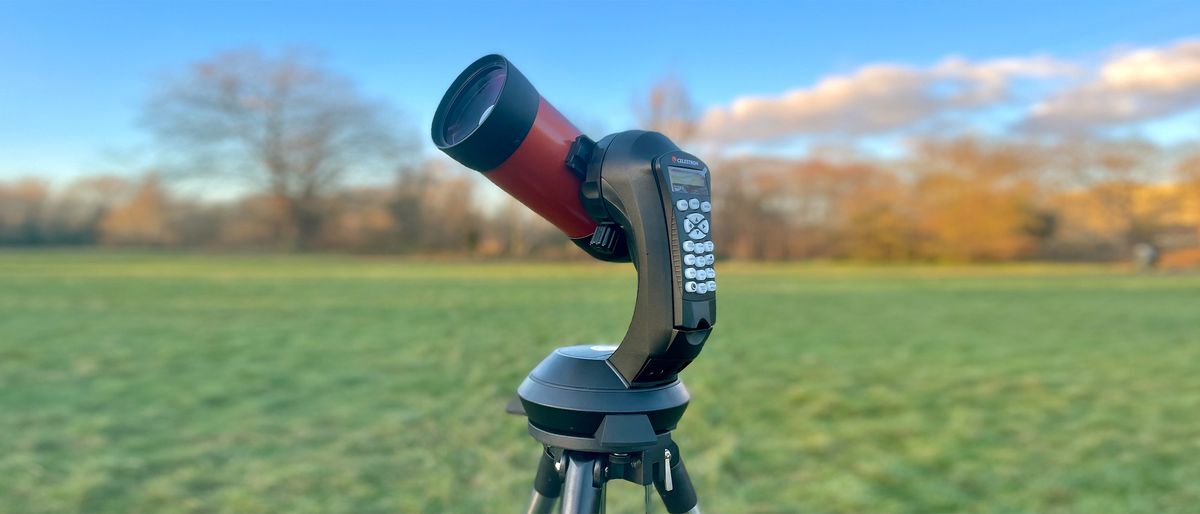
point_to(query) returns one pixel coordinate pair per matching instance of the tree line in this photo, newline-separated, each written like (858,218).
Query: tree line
(317,165)
(957,200)
(966,200)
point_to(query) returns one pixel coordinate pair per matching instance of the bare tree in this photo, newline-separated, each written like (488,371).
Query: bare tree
(284,124)
(667,108)
(433,210)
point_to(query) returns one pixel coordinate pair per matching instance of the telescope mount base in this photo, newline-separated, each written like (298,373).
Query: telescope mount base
(595,429)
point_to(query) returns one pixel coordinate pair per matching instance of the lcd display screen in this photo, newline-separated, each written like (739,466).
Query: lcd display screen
(689,180)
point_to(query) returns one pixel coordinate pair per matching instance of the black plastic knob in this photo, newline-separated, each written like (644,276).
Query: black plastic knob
(580,155)
(607,238)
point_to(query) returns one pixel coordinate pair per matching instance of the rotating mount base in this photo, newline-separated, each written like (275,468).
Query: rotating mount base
(595,429)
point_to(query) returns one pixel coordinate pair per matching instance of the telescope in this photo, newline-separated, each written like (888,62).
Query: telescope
(601,412)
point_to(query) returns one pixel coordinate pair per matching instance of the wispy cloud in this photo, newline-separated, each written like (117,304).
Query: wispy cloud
(1131,86)
(876,98)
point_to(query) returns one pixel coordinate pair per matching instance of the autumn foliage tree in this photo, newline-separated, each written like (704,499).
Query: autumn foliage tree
(143,220)
(974,202)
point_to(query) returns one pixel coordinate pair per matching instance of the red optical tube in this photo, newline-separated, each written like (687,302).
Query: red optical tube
(492,120)
(537,175)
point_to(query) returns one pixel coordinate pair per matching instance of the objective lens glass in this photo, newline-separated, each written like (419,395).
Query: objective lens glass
(473,103)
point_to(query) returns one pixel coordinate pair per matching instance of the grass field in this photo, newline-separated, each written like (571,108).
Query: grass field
(143,383)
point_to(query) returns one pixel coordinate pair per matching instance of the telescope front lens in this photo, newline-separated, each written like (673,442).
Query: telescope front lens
(473,103)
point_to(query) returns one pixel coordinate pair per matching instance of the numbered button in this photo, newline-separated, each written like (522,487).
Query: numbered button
(682,205)
(702,287)
(694,203)
(689,259)
(712,285)
(690,287)
(705,206)
(688,246)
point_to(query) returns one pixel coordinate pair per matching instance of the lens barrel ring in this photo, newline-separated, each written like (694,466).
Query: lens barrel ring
(501,131)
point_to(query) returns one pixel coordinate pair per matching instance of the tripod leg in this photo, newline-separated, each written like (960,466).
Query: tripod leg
(547,486)
(580,494)
(681,496)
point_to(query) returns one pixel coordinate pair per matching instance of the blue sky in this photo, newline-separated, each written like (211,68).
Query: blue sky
(73,75)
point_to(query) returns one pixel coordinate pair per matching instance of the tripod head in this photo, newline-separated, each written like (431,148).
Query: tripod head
(633,196)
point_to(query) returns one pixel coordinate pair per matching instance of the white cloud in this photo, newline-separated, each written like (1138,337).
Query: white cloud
(876,98)
(1131,86)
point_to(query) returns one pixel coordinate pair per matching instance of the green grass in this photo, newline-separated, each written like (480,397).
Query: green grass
(144,383)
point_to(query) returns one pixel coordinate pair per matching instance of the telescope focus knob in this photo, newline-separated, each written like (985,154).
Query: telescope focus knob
(607,238)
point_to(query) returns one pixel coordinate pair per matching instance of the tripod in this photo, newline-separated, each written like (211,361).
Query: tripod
(594,429)
(579,478)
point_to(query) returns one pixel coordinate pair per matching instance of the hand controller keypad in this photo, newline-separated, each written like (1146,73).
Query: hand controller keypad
(696,246)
